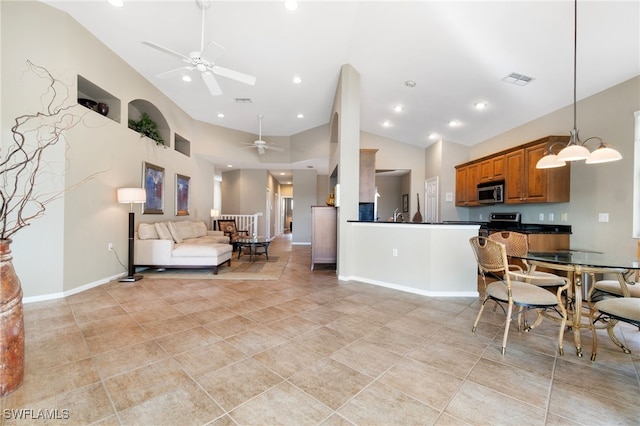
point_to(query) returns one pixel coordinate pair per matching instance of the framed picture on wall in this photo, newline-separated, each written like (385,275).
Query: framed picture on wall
(405,203)
(182,195)
(153,181)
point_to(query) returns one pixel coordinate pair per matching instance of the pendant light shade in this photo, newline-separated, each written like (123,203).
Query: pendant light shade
(603,154)
(576,149)
(550,161)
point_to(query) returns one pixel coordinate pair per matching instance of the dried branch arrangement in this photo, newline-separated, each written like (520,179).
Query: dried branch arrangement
(22,162)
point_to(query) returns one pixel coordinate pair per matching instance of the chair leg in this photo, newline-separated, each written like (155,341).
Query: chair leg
(475,324)
(612,323)
(507,323)
(594,335)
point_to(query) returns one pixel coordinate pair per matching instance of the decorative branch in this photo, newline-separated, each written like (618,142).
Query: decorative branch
(22,165)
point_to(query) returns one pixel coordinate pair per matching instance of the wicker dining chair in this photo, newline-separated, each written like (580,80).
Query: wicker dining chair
(517,245)
(612,311)
(513,291)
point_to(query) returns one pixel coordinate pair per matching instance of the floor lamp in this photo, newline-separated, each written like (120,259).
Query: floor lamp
(131,196)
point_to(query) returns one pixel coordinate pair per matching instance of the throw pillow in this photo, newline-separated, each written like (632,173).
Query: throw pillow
(173,229)
(163,231)
(147,231)
(199,229)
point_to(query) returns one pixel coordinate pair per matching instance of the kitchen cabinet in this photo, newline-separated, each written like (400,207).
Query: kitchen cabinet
(323,235)
(467,177)
(492,169)
(526,184)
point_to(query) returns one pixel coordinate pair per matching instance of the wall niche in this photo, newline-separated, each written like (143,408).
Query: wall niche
(97,99)
(139,106)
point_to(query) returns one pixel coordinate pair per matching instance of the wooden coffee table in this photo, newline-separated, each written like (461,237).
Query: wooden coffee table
(253,244)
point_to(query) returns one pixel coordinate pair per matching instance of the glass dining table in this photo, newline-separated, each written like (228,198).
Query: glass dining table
(576,263)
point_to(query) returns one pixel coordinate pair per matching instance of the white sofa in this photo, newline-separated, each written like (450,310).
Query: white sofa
(181,244)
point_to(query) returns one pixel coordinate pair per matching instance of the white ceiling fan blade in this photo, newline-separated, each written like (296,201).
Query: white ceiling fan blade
(274,148)
(235,75)
(211,83)
(171,72)
(167,51)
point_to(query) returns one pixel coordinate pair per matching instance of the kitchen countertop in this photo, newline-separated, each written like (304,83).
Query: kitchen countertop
(525,228)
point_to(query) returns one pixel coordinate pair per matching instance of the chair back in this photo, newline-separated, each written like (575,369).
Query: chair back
(516,244)
(228,226)
(490,255)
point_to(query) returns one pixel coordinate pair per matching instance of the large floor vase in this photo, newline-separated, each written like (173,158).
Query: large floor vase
(11,324)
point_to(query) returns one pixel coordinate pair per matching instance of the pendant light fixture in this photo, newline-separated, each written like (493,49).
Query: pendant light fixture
(575,149)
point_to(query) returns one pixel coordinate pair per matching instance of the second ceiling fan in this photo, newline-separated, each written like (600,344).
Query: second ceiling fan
(260,144)
(196,61)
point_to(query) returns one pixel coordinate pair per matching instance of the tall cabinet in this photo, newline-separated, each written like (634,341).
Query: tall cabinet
(323,235)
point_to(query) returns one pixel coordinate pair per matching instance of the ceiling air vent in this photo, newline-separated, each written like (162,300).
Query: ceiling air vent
(517,79)
(243,100)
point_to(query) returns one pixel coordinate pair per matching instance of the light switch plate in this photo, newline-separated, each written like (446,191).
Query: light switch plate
(603,217)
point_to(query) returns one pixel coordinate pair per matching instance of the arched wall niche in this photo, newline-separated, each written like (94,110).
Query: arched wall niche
(138,106)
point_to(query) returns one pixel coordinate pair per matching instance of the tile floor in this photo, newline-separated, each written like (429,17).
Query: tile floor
(305,349)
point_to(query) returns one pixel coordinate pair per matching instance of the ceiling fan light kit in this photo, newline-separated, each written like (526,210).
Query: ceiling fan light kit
(260,144)
(196,62)
(575,149)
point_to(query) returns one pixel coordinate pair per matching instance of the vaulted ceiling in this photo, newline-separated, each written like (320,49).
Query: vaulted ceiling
(457,53)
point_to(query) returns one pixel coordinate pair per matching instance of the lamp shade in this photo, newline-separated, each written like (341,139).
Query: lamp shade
(603,154)
(132,195)
(573,153)
(549,161)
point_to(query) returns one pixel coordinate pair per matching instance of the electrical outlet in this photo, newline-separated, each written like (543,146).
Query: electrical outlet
(541,216)
(564,217)
(395,251)
(110,246)
(550,217)
(480,218)
(603,217)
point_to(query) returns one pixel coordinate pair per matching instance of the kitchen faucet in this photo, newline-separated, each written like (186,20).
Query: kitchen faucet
(396,215)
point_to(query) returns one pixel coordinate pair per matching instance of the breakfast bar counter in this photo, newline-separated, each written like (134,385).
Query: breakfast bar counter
(432,259)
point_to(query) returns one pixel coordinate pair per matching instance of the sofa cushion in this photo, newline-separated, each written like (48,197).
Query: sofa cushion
(180,230)
(163,231)
(147,231)
(200,250)
(199,229)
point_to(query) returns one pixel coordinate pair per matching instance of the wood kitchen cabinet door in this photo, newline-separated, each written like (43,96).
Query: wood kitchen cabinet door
(514,177)
(492,169)
(467,178)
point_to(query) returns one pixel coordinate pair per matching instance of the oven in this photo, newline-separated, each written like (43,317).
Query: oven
(504,222)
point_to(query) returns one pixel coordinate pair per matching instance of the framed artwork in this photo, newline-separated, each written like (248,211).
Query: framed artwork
(182,195)
(153,178)
(405,203)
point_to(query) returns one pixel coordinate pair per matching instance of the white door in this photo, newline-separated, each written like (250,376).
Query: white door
(267,216)
(431,197)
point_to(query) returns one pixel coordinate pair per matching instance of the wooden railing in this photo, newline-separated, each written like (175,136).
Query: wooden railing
(244,222)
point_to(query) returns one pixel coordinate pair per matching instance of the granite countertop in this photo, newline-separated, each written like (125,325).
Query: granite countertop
(525,228)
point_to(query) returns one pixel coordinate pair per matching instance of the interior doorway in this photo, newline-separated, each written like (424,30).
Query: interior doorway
(431,189)
(287,214)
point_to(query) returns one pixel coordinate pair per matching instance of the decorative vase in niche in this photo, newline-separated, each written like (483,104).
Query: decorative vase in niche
(103,109)
(11,324)
(331,200)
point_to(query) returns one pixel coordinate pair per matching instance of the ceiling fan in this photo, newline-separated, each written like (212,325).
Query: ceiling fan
(260,144)
(196,61)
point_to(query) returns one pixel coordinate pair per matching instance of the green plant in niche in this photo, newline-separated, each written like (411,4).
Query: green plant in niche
(147,127)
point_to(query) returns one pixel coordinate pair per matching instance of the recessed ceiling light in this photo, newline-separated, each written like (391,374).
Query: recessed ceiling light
(481,105)
(434,136)
(297,79)
(281,173)
(291,5)
(186,78)
(220,115)
(454,123)
(410,83)
(300,115)
(116,3)
(229,165)
(386,123)
(398,108)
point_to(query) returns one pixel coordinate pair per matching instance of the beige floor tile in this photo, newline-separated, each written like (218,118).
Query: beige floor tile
(379,404)
(116,338)
(256,340)
(477,404)
(443,357)
(137,386)
(172,325)
(239,382)
(122,360)
(231,326)
(324,340)
(330,382)
(293,326)
(367,358)
(284,404)
(186,405)
(288,358)
(267,315)
(206,359)
(429,385)
(393,340)
(187,340)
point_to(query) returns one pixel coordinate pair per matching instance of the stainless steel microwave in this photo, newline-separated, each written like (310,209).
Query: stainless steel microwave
(491,192)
